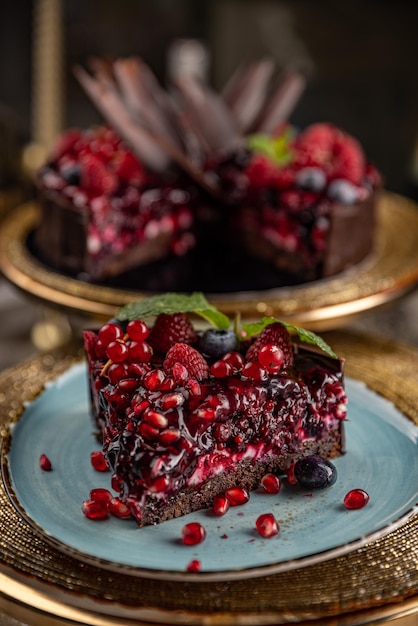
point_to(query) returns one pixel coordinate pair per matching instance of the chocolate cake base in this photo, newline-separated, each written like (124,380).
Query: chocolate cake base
(248,473)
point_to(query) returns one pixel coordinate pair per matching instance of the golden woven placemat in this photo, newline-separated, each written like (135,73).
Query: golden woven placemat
(377,575)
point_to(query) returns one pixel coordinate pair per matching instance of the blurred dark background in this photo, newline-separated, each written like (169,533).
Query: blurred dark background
(359,56)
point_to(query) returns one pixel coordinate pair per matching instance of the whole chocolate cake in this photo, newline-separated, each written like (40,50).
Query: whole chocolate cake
(193,171)
(186,414)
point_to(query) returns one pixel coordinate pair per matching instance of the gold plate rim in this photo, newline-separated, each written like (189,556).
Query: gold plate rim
(382,575)
(389,272)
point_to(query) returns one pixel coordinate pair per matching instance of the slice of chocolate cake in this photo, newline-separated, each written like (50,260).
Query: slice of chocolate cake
(184,414)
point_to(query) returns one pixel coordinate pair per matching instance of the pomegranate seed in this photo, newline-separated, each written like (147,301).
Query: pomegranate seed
(171,401)
(180,372)
(192,534)
(153,379)
(237,495)
(267,525)
(119,508)
(140,351)
(221,369)
(194,566)
(109,332)
(155,419)
(271,357)
(116,483)
(194,387)
(168,385)
(101,494)
(221,505)
(206,413)
(45,463)
(98,461)
(235,359)
(138,369)
(148,431)
(169,437)
(159,484)
(290,475)
(139,407)
(95,509)
(128,383)
(137,330)
(356,499)
(271,483)
(254,371)
(117,351)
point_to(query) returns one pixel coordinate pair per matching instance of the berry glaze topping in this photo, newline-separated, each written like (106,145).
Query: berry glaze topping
(170,422)
(123,202)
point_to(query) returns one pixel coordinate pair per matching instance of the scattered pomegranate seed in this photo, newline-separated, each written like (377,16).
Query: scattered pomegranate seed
(237,495)
(101,494)
(119,508)
(194,566)
(98,461)
(267,525)
(155,419)
(45,463)
(95,509)
(356,499)
(271,483)
(192,534)
(221,505)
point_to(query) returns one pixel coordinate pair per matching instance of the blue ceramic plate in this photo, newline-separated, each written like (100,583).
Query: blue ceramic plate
(382,458)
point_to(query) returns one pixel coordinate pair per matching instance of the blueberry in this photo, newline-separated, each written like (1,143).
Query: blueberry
(215,343)
(343,191)
(71,174)
(314,472)
(311,179)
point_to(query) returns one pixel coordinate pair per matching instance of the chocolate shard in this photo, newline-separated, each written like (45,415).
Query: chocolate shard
(246,91)
(145,99)
(281,103)
(108,101)
(208,115)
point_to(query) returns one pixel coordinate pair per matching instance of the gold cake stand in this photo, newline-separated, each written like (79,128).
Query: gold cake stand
(378,582)
(388,273)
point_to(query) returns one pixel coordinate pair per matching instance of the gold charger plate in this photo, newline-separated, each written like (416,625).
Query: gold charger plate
(40,584)
(389,272)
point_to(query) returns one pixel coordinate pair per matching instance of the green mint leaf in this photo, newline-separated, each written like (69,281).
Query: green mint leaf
(170,303)
(306,336)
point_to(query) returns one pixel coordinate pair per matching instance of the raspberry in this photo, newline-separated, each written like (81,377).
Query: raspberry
(171,329)
(260,172)
(349,161)
(128,168)
(96,177)
(274,334)
(189,357)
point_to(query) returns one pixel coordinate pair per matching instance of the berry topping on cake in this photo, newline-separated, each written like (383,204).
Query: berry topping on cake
(216,342)
(274,336)
(171,329)
(193,362)
(183,429)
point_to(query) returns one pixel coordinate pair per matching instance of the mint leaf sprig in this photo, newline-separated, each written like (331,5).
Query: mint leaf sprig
(171,303)
(197,303)
(306,336)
